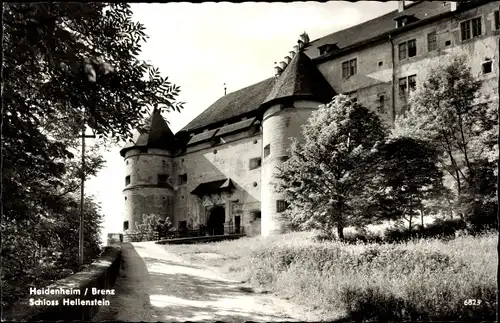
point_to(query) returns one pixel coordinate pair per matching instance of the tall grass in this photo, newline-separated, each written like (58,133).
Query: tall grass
(418,280)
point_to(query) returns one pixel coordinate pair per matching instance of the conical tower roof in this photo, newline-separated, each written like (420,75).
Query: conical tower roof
(157,135)
(300,80)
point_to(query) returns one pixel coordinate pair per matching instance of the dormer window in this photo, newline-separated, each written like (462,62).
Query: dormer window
(405,20)
(215,141)
(328,48)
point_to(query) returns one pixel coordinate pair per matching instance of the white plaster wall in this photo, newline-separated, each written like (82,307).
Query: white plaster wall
(230,160)
(278,126)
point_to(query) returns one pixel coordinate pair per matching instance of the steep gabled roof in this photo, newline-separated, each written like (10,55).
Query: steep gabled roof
(247,100)
(157,135)
(301,80)
(377,26)
(232,105)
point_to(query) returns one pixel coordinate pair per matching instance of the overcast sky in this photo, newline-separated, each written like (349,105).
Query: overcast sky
(202,46)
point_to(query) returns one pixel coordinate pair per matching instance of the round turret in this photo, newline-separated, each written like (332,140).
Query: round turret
(148,174)
(299,90)
(280,122)
(148,187)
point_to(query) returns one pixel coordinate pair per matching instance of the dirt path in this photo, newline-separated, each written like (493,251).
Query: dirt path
(155,285)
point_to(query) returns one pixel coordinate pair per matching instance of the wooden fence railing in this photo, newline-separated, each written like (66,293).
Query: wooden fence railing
(155,236)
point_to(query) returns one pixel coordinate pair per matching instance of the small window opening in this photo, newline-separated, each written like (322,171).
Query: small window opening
(162,179)
(127,180)
(183,178)
(125,225)
(255,163)
(281,206)
(487,67)
(381,100)
(267,150)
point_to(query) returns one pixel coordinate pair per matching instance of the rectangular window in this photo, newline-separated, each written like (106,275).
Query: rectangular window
(465,30)
(471,28)
(255,163)
(403,86)
(162,178)
(345,69)
(349,68)
(267,150)
(402,51)
(127,180)
(407,49)
(381,100)
(412,48)
(431,42)
(476,27)
(125,225)
(412,82)
(183,178)
(353,66)
(407,84)
(281,206)
(497,20)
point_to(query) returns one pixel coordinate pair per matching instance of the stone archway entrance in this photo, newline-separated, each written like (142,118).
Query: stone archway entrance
(216,220)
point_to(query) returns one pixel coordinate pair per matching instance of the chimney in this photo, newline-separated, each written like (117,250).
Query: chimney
(453,6)
(277,70)
(288,59)
(401,6)
(283,65)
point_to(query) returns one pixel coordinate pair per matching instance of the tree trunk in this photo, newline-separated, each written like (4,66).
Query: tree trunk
(411,215)
(422,218)
(340,232)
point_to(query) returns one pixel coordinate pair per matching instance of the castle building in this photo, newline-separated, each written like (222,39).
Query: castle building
(217,170)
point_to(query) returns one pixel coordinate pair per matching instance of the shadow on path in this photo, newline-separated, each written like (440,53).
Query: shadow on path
(131,300)
(155,285)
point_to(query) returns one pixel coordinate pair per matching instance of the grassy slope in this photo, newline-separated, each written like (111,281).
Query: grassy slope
(421,280)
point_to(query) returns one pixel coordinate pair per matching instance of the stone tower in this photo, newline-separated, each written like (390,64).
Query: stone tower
(148,173)
(299,89)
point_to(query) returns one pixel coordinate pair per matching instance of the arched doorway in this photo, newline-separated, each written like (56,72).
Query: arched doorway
(216,220)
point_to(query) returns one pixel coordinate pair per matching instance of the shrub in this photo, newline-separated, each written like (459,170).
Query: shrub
(444,229)
(419,280)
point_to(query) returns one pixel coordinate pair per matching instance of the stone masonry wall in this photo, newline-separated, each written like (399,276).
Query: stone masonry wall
(144,195)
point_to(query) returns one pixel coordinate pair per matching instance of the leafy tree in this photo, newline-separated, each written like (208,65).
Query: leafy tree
(449,111)
(480,201)
(324,178)
(408,175)
(65,65)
